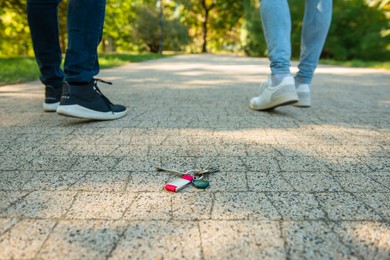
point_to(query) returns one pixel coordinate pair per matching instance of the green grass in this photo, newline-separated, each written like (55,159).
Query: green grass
(359,64)
(18,70)
(114,60)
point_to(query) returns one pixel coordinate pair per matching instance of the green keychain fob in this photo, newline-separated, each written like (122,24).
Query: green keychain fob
(201,184)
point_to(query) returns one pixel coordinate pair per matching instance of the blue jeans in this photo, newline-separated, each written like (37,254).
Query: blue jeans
(276,20)
(85,26)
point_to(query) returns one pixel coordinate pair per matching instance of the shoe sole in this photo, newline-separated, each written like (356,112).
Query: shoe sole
(85,113)
(283,100)
(302,104)
(50,107)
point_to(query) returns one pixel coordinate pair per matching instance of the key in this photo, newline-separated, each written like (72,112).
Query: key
(159,169)
(206,171)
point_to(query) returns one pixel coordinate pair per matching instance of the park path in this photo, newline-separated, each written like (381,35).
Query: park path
(294,183)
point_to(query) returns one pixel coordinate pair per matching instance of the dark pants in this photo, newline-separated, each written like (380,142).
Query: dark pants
(85,26)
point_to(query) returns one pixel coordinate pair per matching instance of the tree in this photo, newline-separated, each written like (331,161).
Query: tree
(148,28)
(253,38)
(351,36)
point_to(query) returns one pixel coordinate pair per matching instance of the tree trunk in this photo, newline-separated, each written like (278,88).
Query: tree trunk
(161,48)
(206,10)
(206,18)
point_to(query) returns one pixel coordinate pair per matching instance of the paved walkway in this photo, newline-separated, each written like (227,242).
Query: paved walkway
(294,183)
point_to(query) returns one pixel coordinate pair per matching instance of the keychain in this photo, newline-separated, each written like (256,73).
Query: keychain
(190,176)
(200,183)
(180,183)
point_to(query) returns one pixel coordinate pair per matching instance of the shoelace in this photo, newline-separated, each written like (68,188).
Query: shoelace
(108,102)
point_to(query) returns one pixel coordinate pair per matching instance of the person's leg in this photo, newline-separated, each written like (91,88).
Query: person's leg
(80,95)
(85,28)
(276,21)
(43,21)
(316,22)
(280,88)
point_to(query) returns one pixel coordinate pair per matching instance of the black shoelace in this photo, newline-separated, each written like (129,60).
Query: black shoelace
(108,102)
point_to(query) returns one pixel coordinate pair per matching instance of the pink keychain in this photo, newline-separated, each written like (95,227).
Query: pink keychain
(179,184)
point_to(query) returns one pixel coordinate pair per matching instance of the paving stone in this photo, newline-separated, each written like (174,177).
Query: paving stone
(14,180)
(200,150)
(159,240)
(147,139)
(7,198)
(312,181)
(50,149)
(137,163)
(358,182)
(130,150)
(224,164)
(262,150)
(177,163)
(347,164)
(345,206)
(49,163)
(150,206)
(52,180)
(194,206)
(230,150)
(226,181)
(303,164)
(41,204)
(148,181)
(93,150)
(24,240)
(13,162)
(366,151)
(102,181)
(243,206)
(381,177)
(326,151)
(79,239)
(206,139)
(313,240)
(368,240)
(242,240)
(378,201)
(102,205)
(261,164)
(296,206)
(296,150)
(79,139)
(377,163)
(167,150)
(94,163)
(273,181)
(6,224)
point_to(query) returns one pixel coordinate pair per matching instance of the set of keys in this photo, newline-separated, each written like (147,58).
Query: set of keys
(195,177)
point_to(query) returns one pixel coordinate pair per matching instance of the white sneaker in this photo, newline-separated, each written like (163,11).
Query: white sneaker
(271,97)
(303,91)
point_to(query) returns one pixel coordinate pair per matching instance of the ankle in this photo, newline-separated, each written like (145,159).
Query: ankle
(278,78)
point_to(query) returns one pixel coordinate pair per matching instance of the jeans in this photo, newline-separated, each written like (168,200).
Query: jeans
(276,21)
(85,26)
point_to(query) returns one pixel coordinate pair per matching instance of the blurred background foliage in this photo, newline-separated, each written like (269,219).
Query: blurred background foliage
(360,28)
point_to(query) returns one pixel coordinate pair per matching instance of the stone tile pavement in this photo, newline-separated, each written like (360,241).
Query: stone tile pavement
(295,183)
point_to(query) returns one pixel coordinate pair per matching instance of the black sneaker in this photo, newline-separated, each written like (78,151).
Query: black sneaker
(52,98)
(87,101)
